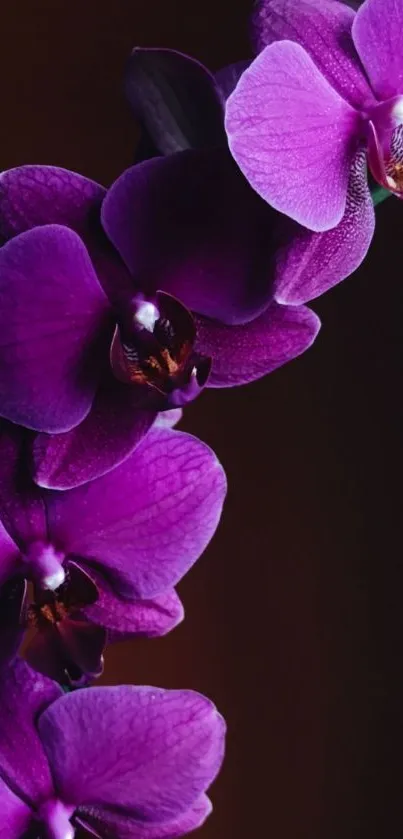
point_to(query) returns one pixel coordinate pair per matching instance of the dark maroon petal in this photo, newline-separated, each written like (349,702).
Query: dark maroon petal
(190,225)
(244,353)
(175,99)
(32,196)
(54,322)
(24,694)
(9,556)
(109,434)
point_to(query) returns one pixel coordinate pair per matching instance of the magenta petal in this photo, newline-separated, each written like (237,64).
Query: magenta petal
(168,419)
(121,826)
(190,225)
(279,108)
(109,433)
(311,263)
(323,28)
(148,520)
(124,618)
(378,37)
(32,196)
(244,353)
(144,750)
(24,694)
(15,815)
(53,317)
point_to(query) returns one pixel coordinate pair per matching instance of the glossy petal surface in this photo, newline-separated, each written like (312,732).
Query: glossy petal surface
(244,353)
(308,264)
(110,432)
(150,751)
(23,696)
(53,317)
(378,37)
(146,522)
(175,99)
(280,106)
(190,225)
(323,28)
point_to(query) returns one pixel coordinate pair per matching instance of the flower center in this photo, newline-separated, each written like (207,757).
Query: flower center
(152,348)
(45,565)
(385,144)
(52,607)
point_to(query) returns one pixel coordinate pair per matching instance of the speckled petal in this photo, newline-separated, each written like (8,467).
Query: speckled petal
(279,108)
(308,264)
(323,28)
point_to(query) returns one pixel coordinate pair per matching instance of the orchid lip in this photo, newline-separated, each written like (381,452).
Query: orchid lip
(385,144)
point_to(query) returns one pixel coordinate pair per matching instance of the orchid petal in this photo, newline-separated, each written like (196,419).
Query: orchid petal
(147,521)
(53,324)
(121,826)
(147,751)
(124,618)
(244,353)
(310,263)
(190,225)
(279,108)
(323,28)
(106,437)
(378,37)
(15,815)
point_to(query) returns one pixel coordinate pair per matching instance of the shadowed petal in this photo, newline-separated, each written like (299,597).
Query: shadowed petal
(22,510)
(279,108)
(24,694)
(148,520)
(323,28)
(149,751)
(189,224)
(110,432)
(124,618)
(175,99)
(12,605)
(378,37)
(244,353)
(311,263)
(53,317)
(9,556)
(32,196)
(15,815)
(124,827)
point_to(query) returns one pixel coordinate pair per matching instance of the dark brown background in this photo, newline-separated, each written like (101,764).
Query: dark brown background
(294,614)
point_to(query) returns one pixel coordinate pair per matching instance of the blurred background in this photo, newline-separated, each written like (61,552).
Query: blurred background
(293,620)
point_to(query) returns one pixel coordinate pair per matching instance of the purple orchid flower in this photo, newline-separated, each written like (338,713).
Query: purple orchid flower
(104,557)
(128,762)
(126,339)
(325,90)
(284,262)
